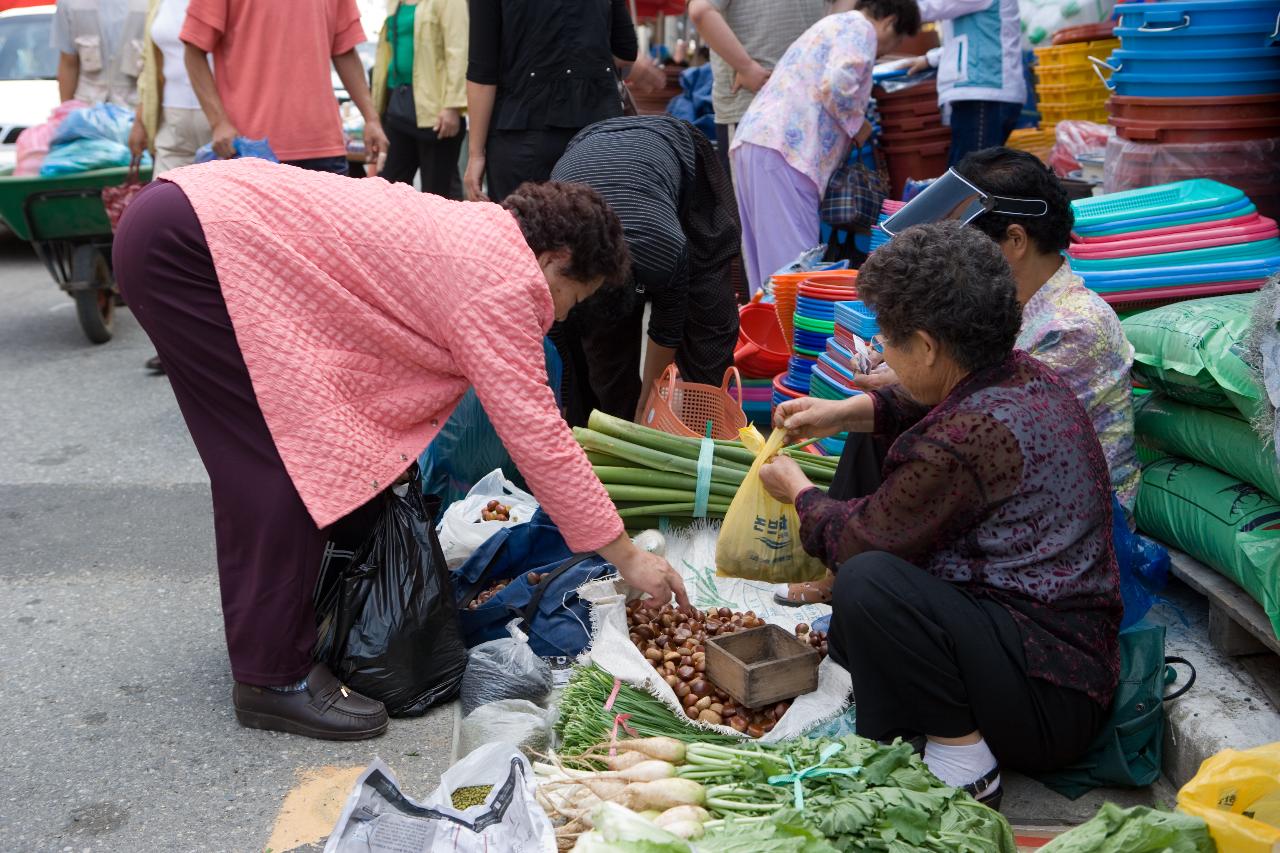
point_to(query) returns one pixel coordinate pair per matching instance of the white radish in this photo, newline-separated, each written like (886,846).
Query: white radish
(625,760)
(686,829)
(648,771)
(681,814)
(606,788)
(663,794)
(659,748)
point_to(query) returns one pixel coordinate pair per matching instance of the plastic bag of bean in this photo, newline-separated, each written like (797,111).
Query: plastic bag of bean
(505,669)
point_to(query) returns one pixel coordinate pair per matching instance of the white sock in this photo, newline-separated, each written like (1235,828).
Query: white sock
(961,765)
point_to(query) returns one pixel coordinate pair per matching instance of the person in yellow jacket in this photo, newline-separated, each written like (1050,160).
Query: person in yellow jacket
(169,121)
(419,89)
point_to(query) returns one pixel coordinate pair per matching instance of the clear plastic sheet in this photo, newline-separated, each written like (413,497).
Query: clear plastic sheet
(1248,165)
(518,722)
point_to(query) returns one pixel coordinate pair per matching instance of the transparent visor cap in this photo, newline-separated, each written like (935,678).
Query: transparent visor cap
(953,197)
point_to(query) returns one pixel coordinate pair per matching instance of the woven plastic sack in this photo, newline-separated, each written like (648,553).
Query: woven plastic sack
(518,722)
(505,669)
(1229,525)
(760,536)
(1237,792)
(1195,352)
(1219,438)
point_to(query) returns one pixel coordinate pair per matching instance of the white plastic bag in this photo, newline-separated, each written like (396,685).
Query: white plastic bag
(461,529)
(515,721)
(613,651)
(378,818)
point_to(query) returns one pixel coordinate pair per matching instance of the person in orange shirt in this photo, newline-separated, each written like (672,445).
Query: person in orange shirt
(260,89)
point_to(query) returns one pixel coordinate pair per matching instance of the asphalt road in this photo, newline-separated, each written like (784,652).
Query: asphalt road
(117,732)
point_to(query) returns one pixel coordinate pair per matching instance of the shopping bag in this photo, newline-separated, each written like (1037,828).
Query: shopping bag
(760,536)
(463,530)
(390,630)
(1237,792)
(116,199)
(378,817)
(553,616)
(1128,750)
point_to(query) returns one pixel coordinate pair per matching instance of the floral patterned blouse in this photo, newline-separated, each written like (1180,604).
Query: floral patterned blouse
(1001,489)
(816,99)
(1070,328)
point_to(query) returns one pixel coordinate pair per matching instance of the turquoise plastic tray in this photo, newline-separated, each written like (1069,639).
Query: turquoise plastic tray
(1240,207)
(1122,280)
(1178,197)
(1173,260)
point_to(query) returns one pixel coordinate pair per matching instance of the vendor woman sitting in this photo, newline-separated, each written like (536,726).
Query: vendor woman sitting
(977,597)
(1017,201)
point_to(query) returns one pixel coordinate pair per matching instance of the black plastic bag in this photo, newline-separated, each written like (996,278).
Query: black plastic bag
(388,619)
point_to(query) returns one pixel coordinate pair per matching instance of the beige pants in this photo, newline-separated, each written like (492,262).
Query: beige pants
(181,133)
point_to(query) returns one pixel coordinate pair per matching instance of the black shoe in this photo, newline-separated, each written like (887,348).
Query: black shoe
(993,797)
(155,365)
(323,708)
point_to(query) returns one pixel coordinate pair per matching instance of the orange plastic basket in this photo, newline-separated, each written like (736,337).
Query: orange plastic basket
(683,408)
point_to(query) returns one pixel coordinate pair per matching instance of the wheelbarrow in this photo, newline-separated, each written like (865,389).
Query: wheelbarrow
(64,220)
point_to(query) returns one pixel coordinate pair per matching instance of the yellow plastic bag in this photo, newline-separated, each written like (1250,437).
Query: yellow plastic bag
(1238,794)
(760,536)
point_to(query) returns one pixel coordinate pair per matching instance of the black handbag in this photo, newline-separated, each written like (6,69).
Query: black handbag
(401,112)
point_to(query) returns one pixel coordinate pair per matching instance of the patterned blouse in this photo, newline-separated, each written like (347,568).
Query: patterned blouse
(816,99)
(1001,489)
(1070,328)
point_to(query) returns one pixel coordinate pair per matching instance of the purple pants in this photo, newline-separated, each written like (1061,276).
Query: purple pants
(269,548)
(778,207)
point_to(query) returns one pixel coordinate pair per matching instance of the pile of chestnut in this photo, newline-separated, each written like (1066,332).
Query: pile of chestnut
(487,593)
(674,644)
(495,511)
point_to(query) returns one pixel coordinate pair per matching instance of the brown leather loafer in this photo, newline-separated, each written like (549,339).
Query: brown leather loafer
(324,709)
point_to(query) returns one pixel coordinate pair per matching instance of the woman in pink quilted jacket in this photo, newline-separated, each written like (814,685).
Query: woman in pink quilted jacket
(318,331)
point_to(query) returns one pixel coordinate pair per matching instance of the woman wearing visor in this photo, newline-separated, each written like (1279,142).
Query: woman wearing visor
(977,599)
(1016,201)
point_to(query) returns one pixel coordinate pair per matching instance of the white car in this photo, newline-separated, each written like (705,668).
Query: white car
(28,74)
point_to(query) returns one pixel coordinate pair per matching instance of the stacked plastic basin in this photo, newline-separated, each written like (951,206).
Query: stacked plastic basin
(832,377)
(878,235)
(813,324)
(1067,88)
(1172,241)
(1196,93)
(914,140)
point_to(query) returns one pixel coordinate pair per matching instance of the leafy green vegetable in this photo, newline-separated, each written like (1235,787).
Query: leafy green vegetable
(1135,830)
(858,795)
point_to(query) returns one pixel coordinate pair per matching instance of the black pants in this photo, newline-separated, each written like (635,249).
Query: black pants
(437,159)
(858,473)
(515,156)
(602,359)
(336,164)
(928,658)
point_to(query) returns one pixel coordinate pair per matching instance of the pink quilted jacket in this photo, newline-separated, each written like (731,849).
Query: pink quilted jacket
(364,309)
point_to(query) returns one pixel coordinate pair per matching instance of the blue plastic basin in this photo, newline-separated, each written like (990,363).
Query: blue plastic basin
(1195,16)
(1203,85)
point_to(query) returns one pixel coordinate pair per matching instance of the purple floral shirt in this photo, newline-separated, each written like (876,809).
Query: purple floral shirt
(1070,328)
(1001,489)
(816,99)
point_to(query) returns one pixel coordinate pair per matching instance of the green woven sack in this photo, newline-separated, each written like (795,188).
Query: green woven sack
(1194,352)
(1229,525)
(1220,438)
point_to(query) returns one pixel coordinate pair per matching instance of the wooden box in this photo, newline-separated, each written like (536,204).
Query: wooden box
(761,666)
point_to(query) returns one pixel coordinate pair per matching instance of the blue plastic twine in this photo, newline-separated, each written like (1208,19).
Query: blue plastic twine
(817,771)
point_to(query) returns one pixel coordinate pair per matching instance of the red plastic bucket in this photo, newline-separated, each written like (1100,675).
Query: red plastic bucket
(762,350)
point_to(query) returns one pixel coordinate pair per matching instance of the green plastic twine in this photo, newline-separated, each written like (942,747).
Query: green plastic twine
(702,491)
(817,771)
